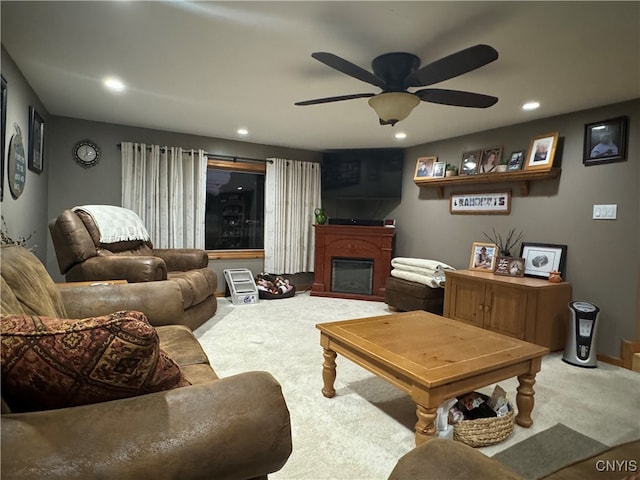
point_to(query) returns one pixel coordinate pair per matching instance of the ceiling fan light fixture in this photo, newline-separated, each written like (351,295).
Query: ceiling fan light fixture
(391,107)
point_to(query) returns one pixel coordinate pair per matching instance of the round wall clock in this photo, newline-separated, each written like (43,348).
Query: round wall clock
(86,153)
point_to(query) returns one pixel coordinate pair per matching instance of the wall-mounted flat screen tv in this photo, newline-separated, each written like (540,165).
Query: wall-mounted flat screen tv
(362,173)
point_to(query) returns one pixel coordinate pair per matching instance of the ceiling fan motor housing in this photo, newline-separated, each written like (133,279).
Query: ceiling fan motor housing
(394,69)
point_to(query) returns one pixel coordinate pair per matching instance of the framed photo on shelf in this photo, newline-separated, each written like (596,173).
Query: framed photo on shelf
(439,169)
(509,266)
(490,159)
(605,141)
(541,152)
(424,167)
(470,162)
(542,258)
(480,203)
(483,256)
(516,160)
(36,141)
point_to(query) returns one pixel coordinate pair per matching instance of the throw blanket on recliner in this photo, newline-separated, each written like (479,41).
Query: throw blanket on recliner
(116,224)
(420,270)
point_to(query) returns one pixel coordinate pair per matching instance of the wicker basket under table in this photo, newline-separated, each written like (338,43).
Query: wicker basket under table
(483,432)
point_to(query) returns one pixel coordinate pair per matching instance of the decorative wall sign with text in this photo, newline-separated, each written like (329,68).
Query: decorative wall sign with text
(480,203)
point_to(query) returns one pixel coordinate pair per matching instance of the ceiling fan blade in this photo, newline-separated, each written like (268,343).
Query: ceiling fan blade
(348,68)
(335,99)
(453,65)
(456,98)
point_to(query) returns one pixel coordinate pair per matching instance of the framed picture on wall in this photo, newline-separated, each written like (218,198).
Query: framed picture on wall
(36,141)
(541,152)
(605,141)
(3,114)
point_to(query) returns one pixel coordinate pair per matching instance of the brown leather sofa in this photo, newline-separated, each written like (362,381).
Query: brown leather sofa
(82,257)
(229,428)
(449,460)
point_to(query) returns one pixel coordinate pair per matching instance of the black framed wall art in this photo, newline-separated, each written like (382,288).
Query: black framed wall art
(605,141)
(3,114)
(36,141)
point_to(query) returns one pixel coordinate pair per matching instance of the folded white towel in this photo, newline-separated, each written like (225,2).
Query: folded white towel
(116,224)
(424,263)
(434,281)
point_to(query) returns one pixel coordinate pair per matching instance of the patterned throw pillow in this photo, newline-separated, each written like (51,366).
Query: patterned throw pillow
(49,363)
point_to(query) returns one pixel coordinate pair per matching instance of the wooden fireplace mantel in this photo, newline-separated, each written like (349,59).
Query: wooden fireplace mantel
(355,242)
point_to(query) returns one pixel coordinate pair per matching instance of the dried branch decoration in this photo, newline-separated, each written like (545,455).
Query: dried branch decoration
(505,244)
(6,239)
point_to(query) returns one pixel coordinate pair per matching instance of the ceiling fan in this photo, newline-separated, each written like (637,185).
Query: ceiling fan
(396,72)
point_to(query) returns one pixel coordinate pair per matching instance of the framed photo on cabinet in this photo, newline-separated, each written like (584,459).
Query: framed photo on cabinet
(483,256)
(510,266)
(542,258)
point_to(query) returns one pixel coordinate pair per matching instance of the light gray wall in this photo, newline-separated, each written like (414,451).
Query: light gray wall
(71,185)
(603,256)
(26,215)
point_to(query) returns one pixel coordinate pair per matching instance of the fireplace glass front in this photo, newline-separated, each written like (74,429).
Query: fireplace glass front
(352,275)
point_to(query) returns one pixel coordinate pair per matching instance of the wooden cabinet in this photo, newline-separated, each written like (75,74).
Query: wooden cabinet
(530,309)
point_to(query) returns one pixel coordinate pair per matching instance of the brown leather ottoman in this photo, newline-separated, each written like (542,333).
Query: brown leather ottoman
(407,296)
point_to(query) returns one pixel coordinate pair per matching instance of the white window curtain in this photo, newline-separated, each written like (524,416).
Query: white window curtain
(292,193)
(166,187)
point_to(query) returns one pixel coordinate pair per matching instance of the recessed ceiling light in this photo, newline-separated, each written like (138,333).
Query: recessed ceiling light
(400,135)
(114,84)
(243,131)
(530,105)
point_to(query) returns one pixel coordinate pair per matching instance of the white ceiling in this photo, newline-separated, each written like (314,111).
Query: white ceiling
(208,68)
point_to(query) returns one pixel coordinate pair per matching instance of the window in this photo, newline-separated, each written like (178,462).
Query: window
(234,218)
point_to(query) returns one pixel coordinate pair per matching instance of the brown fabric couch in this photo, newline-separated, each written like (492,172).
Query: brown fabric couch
(236,427)
(449,460)
(82,257)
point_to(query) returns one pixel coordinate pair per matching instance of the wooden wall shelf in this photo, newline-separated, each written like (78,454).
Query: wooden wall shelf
(521,177)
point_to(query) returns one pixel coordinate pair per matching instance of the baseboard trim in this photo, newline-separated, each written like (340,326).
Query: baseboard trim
(610,360)
(627,349)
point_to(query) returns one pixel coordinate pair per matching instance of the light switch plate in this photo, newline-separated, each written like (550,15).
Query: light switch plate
(605,212)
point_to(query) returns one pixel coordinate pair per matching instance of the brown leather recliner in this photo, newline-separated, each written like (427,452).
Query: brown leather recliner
(231,428)
(82,257)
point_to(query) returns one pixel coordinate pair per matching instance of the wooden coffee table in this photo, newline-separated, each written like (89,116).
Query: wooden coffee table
(433,359)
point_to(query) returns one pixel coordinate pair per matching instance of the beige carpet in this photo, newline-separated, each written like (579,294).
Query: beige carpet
(368,425)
